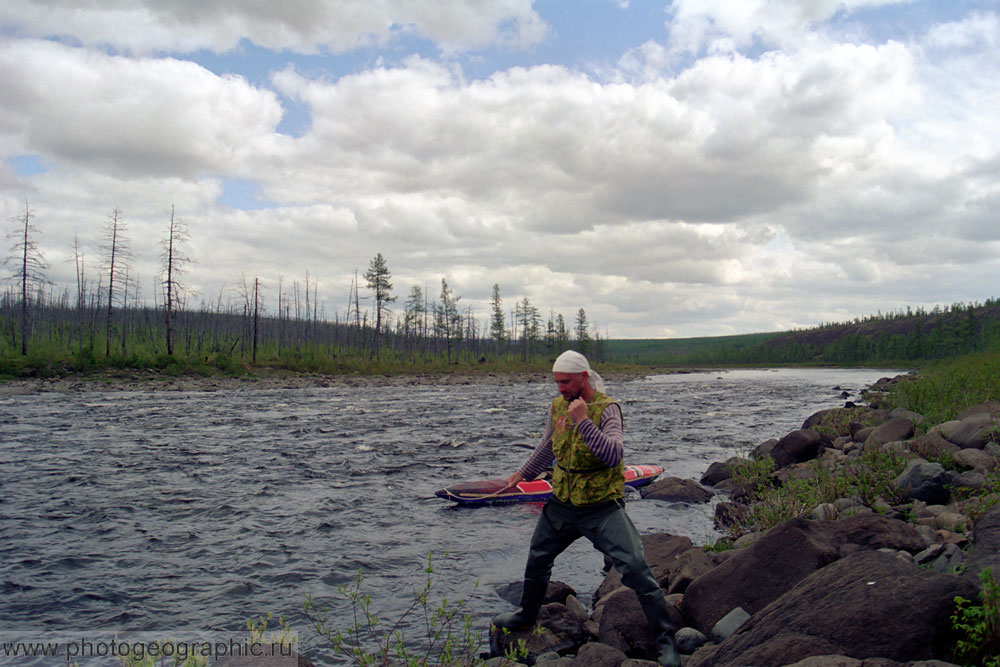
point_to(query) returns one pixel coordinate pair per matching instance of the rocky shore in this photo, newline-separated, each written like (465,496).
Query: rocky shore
(851,584)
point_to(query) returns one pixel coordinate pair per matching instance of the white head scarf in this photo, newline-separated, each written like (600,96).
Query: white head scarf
(574,362)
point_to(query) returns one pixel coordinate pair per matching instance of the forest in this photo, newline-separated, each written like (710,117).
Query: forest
(107,325)
(905,336)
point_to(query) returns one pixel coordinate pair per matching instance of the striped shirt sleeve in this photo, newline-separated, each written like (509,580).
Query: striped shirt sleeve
(606,442)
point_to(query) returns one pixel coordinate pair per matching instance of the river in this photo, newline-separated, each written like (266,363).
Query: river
(165,511)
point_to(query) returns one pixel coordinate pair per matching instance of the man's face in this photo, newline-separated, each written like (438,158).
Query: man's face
(571,385)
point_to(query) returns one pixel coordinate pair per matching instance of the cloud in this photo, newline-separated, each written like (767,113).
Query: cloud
(307,26)
(130,116)
(725,26)
(774,175)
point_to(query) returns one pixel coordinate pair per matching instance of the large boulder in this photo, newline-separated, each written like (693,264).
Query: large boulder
(676,490)
(974,431)
(660,551)
(985,551)
(932,445)
(868,604)
(557,591)
(623,625)
(759,574)
(598,655)
(796,447)
(717,472)
(558,629)
(687,567)
(870,532)
(987,408)
(925,481)
(763,449)
(975,459)
(893,430)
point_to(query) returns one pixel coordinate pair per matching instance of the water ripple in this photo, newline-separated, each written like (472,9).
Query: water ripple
(163,510)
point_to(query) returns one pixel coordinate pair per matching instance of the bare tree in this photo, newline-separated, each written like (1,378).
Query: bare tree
(173,267)
(116,255)
(29,267)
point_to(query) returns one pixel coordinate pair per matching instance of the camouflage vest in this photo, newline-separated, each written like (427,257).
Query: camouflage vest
(579,477)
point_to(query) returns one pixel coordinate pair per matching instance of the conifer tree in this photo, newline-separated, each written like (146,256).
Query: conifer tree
(377,277)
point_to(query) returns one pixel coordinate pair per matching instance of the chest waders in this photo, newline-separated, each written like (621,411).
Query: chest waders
(604,522)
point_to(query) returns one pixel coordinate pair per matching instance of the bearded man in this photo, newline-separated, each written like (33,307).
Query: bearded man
(584,441)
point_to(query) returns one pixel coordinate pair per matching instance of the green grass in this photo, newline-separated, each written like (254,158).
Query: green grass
(769,503)
(945,388)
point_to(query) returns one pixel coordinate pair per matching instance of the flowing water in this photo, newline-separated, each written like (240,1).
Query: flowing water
(167,511)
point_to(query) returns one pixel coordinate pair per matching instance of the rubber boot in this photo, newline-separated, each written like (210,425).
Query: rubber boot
(658,617)
(532,596)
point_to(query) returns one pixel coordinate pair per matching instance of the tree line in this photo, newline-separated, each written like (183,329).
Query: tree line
(910,335)
(107,322)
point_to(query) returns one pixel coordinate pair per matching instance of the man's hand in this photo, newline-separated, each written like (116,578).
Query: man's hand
(578,410)
(513,479)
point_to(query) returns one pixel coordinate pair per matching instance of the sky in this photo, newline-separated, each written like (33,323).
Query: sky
(677,169)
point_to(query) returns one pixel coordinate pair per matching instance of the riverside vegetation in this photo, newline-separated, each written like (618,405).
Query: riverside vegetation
(870,536)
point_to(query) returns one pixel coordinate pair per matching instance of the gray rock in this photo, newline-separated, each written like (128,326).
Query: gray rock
(797,447)
(550,659)
(661,551)
(577,609)
(903,413)
(687,567)
(599,655)
(861,434)
(717,472)
(974,431)
(763,449)
(925,481)
(932,445)
(985,551)
(824,512)
(757,575)
(975,459)
(854,511)
(753,577)
(844,503)
(632,662)
(970,479)
(881,506)
(676,490)
(689,640)
(729,624)
(866,605)
(890,431)
(624,627)
(828,661)
(944,558)
(987,408)
(556,592)
(500,661)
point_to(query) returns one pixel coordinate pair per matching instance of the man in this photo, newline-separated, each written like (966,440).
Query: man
(584,439)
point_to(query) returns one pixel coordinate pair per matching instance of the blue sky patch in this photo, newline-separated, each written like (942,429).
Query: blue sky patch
(244,195)
(26,166)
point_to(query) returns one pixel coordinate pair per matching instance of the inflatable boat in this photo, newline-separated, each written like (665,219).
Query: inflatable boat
(493,491)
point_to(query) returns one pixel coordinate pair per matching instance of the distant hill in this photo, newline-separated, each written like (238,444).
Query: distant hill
(895,337)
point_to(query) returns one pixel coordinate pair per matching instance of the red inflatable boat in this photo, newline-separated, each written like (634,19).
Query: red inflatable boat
(492,490)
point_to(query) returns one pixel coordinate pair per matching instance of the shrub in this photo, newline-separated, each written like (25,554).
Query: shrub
(449,641)
(978,625)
